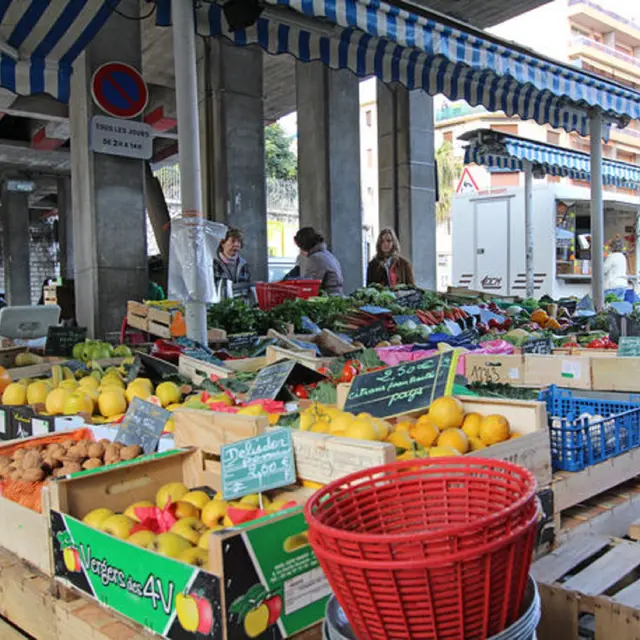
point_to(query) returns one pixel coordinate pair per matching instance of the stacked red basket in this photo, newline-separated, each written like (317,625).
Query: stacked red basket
(427,549)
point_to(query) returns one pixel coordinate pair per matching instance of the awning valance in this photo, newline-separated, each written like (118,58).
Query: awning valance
(40,39)
(494,149)
(370,37)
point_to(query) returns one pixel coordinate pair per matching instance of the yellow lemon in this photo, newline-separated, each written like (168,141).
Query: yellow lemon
(475,444)
(112,402)
(306,421)
(494,429)
(400,439)
(405,425)
(425,433)
(471,424)
(361,430)
(77,402)
(320,426)
(340,423)
(168,392)
(455,439)
(15,394)
(89,382)
(383,427)
(137,391)
(253,410)
(70,385)
(37,392)
(446,412)
(443,452)
(55,401)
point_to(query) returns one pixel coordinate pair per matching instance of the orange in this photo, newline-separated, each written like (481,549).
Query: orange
(471,424)
(455,439)
(494,429)
(425,433)
(5,379)
(446,412)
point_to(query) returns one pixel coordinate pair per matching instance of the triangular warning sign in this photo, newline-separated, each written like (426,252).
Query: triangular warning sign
(467,184)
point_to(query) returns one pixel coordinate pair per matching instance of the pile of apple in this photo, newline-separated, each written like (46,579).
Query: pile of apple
(180,522)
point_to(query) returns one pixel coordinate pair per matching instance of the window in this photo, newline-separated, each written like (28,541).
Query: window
(369,158)
(368,117)
(506,128)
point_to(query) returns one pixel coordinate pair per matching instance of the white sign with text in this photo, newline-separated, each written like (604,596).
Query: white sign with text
(118,137)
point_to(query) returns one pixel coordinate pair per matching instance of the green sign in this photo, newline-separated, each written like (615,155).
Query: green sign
(158,592)
(409,386)
(257,464)
(629,347)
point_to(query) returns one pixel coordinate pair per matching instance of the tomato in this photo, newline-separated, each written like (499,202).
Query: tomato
(349,372)
(356,364)
(596,344)
(300,392)
(325,371)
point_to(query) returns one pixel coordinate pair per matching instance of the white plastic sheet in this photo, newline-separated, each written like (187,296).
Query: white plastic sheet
(194,243)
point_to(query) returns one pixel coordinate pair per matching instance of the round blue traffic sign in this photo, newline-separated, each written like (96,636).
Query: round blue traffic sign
(119,90)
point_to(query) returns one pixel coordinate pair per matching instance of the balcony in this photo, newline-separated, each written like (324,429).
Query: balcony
(608,59)
(594,16)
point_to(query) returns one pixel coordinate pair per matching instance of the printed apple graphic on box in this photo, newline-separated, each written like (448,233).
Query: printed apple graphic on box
(194,613)
(71,559)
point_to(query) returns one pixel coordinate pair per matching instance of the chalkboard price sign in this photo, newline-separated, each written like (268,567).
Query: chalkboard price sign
(241,340)
(61,340)
(371,335)
(269,383)
(629,347)
(540,347)
(257,464)
(411,300)
(142,424)
(410,386)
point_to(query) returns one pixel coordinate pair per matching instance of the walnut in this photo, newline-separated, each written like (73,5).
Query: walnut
(92,463)
(96,450)
(130,452)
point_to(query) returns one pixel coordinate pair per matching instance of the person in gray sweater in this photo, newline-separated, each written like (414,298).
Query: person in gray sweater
(318,263)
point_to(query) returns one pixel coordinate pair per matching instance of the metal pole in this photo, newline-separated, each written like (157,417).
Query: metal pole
(528,225)
(184,54)
(597,214)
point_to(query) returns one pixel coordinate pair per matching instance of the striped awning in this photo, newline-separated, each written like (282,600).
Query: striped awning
(497,150)
(40,39)
(423,50)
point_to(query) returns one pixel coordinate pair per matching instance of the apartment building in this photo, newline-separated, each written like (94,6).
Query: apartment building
(594,35)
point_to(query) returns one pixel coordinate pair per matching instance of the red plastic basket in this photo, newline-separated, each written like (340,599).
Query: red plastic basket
(271,294)
(436,549)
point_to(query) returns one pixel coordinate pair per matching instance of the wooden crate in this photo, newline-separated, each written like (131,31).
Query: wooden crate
(573,581)
(615,374)
(572,372)
(498,369)
(532,450)
(307,357)
(198,370)
(137,315)
(70,499)
(319,457)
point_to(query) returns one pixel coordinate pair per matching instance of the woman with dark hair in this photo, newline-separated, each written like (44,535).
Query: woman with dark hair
(388,267)
(318,263)
(228,264)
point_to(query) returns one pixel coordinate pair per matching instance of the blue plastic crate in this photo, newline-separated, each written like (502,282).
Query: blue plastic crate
(579,441)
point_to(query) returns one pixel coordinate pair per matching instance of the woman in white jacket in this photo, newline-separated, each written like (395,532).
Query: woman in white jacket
(615,267)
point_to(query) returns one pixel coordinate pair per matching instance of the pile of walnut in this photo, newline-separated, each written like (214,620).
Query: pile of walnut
(36,463)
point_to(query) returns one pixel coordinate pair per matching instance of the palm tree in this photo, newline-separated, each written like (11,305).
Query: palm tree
(449,172)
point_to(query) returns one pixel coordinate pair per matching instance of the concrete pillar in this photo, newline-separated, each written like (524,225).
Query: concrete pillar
(109,233)
(15,247)
(239,190)
(407,176)
(65,228)
(329,162)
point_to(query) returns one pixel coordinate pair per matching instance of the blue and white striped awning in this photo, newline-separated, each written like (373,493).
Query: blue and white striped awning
(370,37)
(497,150)
(40,39)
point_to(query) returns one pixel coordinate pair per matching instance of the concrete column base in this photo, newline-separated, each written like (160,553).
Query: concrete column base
(15,247)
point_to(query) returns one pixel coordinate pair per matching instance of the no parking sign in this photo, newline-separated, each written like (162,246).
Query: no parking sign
(119,90)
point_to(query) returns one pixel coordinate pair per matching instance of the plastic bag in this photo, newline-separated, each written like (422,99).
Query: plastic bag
(193,247)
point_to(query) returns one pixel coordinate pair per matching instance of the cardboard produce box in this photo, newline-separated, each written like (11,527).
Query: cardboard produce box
(616,374)
(270,556)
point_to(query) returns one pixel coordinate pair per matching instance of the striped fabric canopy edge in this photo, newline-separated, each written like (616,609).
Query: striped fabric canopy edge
(48,36)
(370,37)
(511,153)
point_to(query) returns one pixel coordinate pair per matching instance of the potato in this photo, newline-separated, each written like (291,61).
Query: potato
(5,461)
(69,467)
(16,475)
(18,454)
(68,443)
(92,463)
(130,452)
(31,460)
(33,475)
(95,450)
